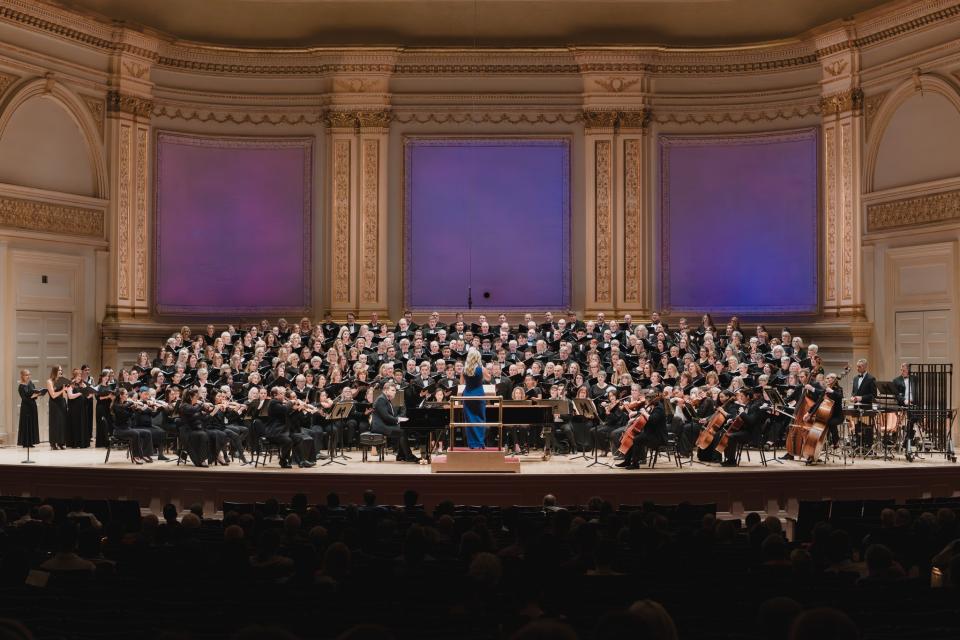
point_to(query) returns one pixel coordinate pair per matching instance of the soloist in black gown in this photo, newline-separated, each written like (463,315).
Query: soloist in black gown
(28,433)
(57,410)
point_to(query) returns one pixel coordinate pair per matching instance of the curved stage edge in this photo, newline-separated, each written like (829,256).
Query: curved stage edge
(745,488)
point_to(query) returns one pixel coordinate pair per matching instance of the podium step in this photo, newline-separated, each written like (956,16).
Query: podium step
(475,461)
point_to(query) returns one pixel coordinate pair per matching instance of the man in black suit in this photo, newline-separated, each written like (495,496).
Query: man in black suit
(864,385)
(906,386)
(385,420)
(754,416)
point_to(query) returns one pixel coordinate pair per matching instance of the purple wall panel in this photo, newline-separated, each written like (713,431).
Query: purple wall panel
(493,215)
(739,223)
(232,225)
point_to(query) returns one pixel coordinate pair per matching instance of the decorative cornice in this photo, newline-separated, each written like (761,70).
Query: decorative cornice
(835,103)
(616,84)
(54,218)
(921,210)
(125,103)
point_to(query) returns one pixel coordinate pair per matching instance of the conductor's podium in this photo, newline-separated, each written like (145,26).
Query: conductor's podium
(487,460)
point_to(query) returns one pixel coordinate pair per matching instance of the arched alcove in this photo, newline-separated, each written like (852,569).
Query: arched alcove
(920,140)
(42,146)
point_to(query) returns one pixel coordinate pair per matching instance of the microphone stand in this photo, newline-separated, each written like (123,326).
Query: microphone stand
(28,460)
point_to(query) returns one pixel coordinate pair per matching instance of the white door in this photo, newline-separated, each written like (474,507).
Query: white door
(923,337)
(43,341)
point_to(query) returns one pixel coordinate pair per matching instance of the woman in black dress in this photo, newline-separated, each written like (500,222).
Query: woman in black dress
(105,395)
(75,408)
(57,410)
(29,432)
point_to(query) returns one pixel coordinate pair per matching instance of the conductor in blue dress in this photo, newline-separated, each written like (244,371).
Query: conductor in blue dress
(473,377)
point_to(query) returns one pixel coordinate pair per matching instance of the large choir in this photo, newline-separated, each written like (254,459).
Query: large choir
(620,387)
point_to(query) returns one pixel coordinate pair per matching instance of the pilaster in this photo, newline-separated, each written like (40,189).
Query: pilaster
(841,108)
(599,127)
(372,240)
(128,135)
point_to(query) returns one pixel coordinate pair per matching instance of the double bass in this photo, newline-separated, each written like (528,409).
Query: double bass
(815,434)
(635,427)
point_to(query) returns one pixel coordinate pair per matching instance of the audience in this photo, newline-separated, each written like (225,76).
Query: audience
(550,571)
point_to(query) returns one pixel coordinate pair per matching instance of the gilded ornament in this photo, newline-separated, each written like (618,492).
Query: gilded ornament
(53,218)
(836,103)
(373,119)
(125,103)
(920,210)
(617,84)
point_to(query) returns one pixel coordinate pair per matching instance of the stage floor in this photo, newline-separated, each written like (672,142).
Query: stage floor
(750,486)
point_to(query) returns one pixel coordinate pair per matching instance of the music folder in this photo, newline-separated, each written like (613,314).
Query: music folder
(341,410)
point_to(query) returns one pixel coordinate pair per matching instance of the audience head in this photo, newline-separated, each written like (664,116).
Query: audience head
(775,618)
(654,621)
(823,624)
(369,498)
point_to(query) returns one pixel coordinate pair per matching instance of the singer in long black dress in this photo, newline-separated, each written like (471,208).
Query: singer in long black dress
(28,433)
(75,408)
(57,410)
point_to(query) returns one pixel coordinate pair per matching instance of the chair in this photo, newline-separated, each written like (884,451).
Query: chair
(264,452)
(113,442)
(669,447)
(370,439)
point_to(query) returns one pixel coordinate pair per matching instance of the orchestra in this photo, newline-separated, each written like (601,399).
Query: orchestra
(310,390)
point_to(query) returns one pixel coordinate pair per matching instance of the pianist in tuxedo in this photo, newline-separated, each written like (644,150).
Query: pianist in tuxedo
(864,385)
(384,420)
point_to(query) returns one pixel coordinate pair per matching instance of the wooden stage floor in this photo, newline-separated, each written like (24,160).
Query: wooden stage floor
(749,487)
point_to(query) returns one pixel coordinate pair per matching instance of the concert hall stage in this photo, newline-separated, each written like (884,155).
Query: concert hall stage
(750,487)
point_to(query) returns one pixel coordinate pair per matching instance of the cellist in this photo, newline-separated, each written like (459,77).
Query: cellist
(753,413)
(654,433)
(834,391)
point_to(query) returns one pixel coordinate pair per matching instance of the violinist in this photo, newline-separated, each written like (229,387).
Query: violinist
(193,437)
(654,433)
(304,443)
(275,427)
(144,413)
(225,416)
(141,444)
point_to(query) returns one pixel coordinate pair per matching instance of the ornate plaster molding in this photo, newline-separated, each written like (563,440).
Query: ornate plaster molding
(836,103)
(7,79)
(617,119)
(374,119)
(53,218)
(616,84)
(341,220)
(369,284)
(123,213)
(603,202)
(830,250)
(632,208)
(125,103)
(271,117)
(491,117)
(97,111)
(733,115)
(140,213)
(871,106)
(909,212)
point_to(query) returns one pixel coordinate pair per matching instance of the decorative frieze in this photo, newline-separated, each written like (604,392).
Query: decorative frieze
(341,220)
(639,119)
(830,248)
(850,100)
(255,117)
(140,214)
(123,212)
(32,215)
(369,278)
(373,119)
(125,103)
(631,219)
(919,210)
(488,117)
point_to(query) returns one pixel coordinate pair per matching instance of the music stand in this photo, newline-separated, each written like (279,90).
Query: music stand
(340,411)
(776,400)
(888,390)
(586,408)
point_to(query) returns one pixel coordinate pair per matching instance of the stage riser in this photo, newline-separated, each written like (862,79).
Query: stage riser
(729,488)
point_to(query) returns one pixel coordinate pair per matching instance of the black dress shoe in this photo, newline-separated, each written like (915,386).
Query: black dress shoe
(286,465)
(787,456)
(633,467)
(306,464)
(163,458)
(622,465)
(413,459)
(729,463)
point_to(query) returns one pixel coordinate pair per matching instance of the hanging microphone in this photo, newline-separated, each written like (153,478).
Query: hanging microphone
(469,297)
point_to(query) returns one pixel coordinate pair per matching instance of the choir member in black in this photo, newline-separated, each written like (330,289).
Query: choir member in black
(385,420)
(753,411)
(906,386)
(193,437)
(654,433)
(144,413)
(28,432)
(104,411)
(76,425)
(258,404)
(86,404)
(141,443)
(224,417)
(57,409)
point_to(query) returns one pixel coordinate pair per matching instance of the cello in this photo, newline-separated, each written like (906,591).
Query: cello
(634,428)
(712,429)
(816,434)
